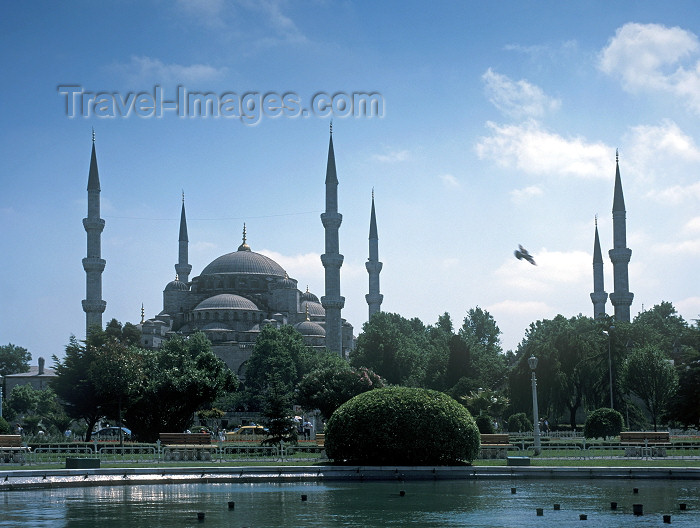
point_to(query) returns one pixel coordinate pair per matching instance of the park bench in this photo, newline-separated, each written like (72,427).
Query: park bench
(12,450)
(186,446)
(645,443)
(495,445)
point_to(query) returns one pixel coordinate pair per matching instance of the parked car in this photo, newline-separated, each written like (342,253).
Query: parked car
(248,432)
(112,433)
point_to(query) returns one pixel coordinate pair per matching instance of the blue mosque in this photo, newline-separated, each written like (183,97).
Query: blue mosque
(239,293)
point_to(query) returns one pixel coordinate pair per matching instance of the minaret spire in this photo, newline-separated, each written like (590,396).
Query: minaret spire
(599,296)
(93,263)
(332,259)
(374,267)
(621,298)
(183,267)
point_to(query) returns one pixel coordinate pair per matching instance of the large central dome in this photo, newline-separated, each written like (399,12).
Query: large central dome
(244,262)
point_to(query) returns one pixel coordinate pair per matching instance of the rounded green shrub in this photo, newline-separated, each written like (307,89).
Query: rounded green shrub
(402,426)
(485,424)
(602,423)
(519,423)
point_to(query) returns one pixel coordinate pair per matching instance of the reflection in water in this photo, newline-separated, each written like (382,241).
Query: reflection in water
(357,504)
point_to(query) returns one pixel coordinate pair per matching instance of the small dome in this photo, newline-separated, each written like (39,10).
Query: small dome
(314,309)
(176,285)
(286,283)
(309,328)
(308,296)
(226,301)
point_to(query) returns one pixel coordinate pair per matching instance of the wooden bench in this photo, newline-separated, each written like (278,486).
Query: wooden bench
(495,445)
(321,440)
(645,443)
(12,450)
(186,446)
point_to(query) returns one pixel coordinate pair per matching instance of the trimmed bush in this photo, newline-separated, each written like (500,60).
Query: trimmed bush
(519,423)
(485,424)
(402,426)
(602,423)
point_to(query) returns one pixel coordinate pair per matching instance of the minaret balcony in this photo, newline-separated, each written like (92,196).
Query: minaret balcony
(332,260)
(620,255)
(331,220)
(621,298)
(94,305)
(330,303)
(94,264)
(91,224)
(373,266)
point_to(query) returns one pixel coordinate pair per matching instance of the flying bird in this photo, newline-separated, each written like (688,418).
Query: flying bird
(522,253)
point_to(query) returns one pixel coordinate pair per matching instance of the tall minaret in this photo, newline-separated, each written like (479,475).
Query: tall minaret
(93,264)
(374,298)
(599,295)
(620,255)
(332,259)
(183,268)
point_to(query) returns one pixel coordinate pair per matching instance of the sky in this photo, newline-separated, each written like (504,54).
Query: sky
(495,124)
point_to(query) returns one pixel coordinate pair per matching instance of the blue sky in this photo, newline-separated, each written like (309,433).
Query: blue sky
(499,127)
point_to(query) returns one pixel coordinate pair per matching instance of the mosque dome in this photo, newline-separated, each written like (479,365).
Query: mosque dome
(226,301)
(309,328)
(314,309)
(216,327)
(286,283)
(308,296)
(176,285)
(245,261)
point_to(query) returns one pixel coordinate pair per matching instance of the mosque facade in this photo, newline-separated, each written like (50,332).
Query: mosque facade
(239,293)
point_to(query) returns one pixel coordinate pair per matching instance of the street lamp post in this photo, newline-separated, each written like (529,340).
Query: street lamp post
(609,334)
(532,362)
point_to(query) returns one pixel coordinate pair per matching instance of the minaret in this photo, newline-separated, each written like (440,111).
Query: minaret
(374,298)
(183,268)
(620,255)
(599,295)
(93,264)
(332,259)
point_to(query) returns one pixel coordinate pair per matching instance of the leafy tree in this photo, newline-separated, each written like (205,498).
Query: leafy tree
(73,383)
(23,399)
(482,337)
(128,334)
(485,401)
(13,359)
(684,407)
(602,423)
(5,427)
(180,377)
(393,347)
(458,363)
(277,404)
(279,350)
(650,375)
(328,388)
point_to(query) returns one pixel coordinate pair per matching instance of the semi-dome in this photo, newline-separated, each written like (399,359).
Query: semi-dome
(226,301)
(309,328)
(286,283)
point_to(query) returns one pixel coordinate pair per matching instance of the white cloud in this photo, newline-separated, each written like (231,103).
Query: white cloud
(519,196)
(205,12)
(517,99)
(393,156)
(534,150)
(682,247)
(692,226)
(648,142)
(450,181)
(649,58)
(554,269)
(676,194)
(147,69)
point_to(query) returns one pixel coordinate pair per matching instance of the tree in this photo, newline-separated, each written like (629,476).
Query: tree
(277,403)
(393,347)
(73,383)
(279,350)
(602,423)
(518,423)
(684,407)
(482,337)
(328,388)
(650,375)
(13,359)
(179,378)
